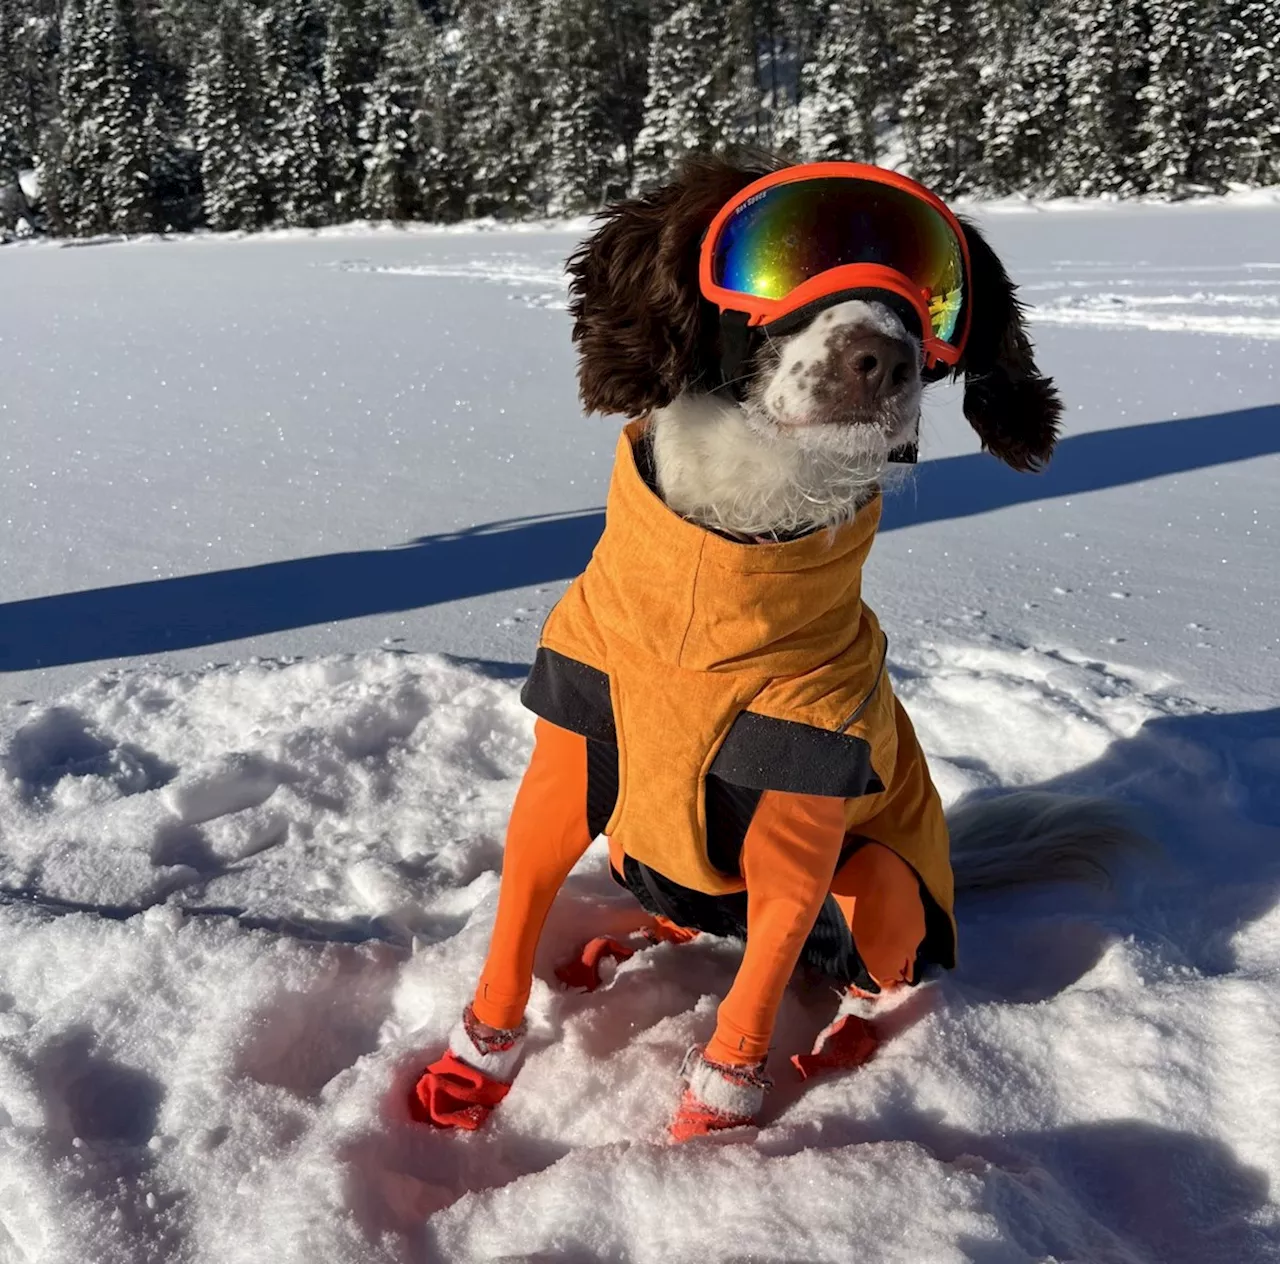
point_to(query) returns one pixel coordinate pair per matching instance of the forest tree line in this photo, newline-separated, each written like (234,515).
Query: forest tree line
(171,114)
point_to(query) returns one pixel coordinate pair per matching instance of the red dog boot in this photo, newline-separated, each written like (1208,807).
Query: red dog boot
(583,971)
(847,1043)
(460,1088)
(718,1096)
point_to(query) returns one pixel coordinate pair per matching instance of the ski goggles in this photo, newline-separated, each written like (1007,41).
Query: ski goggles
(803,238)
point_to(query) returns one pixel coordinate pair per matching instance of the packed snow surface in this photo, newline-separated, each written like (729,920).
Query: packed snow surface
(281,517)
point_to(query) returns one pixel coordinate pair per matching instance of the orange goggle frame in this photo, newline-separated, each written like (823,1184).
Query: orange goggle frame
(799,239)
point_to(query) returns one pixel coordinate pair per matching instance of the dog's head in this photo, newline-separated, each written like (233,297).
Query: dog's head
(646,337)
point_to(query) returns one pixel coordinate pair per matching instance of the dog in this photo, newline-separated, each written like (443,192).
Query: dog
(712,693)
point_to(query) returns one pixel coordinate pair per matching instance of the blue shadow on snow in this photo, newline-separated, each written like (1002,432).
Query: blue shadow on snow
(193,610)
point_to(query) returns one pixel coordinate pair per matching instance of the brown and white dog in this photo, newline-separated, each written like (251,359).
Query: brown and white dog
(799,445)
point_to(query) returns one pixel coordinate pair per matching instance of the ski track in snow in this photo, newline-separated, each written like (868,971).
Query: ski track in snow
(1238,300)
(548,283)
(1233,300)
(241,907)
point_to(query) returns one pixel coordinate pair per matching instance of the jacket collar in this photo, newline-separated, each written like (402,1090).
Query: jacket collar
(700,601)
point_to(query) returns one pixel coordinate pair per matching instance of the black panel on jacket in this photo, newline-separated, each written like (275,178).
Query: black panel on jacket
(602,784)
(729,811)
(762,753)
(570,694)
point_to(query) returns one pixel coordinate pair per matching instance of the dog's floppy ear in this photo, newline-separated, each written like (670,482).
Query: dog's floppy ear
(642,329)
(1012,406)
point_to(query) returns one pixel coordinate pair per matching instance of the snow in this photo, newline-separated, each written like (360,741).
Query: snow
(243,900)
(29,183)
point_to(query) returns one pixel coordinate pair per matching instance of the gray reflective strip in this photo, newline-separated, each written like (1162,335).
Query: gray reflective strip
(861,708)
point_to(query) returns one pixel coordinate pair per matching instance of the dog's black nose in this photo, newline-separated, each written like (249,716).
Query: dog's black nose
(877,366)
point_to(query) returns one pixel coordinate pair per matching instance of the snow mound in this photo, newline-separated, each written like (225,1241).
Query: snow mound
(242,906)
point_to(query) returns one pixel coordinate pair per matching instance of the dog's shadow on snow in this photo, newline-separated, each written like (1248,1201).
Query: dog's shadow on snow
(158,616)
(1204,788)
(961,486)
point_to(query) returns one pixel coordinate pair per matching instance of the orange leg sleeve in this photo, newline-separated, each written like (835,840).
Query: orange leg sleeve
(788,860)
(546,837)
(879,895)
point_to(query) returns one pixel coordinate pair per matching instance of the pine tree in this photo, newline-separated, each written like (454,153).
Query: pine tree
(1176,95)
(849,82)
(941,110)
(444,173)
(1242,138)
(502,98)
(172,168)
(390,129)
(696,78)
(71,185)
(673,122)
(1025,103)
(1101,140)
(28,50)
(626,75)
(294,174)
(351,60)
(15,128)
(225,113)
(759,92)
(101,170)
(586,163)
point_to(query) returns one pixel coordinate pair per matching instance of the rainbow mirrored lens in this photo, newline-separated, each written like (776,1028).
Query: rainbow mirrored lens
(789,233)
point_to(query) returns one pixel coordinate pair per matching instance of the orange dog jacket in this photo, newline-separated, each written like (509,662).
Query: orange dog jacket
(721,670)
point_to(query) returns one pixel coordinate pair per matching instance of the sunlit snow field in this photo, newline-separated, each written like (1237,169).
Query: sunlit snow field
(279,520)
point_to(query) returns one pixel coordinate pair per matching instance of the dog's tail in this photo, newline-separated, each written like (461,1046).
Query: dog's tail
(1034,836)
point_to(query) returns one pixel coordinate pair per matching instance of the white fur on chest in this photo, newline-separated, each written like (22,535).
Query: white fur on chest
(719,466)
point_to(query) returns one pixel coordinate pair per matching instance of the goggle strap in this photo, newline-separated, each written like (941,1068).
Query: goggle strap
(735,351)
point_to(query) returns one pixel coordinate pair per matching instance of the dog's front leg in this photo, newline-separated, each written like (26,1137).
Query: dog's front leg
(546,837)
(789,858)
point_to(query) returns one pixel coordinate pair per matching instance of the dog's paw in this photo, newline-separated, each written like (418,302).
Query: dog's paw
(717,1096)
(473,1075)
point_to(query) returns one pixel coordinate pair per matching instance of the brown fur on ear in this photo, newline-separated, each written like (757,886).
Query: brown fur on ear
(1013,407)
(643,331)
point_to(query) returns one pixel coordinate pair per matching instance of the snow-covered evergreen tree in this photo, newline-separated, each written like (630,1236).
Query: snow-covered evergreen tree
(175,112)
(1243,125)
(1101,141)
(767,43)
(18,129)
(1024,97)
(101,171)
(703,88)
(1176,95)
(942,107)
(502,97)
(443,172)
(225,110)
(849,82)
(579,51)
(684,53)
(351,59)
(295,180)
(391,126)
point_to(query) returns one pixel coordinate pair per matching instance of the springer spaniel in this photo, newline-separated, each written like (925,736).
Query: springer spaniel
(805,438)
